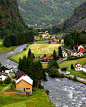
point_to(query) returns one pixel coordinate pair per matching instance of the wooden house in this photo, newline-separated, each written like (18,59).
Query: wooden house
(26,83)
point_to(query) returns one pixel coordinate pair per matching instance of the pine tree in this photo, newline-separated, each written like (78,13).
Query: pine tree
(54,55)
(29,52)
(60,52)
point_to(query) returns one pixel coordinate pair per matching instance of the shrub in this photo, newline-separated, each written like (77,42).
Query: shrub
(62,75)
(53,72)
(57,74)
(75,78)
(70,77)
(1,82)
(47,91)
(63,68)
(7,80)
(24,49)
(40,87)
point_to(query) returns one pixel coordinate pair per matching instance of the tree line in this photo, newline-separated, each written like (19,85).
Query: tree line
(73,39)
(17,39)
(32,68)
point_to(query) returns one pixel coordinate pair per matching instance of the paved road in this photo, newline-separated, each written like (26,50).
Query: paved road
(81,79)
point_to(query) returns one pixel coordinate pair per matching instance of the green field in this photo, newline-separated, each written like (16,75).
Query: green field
(67,64)
(38,50)
(37,99)
(4,49)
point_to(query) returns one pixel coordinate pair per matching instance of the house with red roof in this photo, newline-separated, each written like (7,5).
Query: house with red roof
(81,48)
(53,41)
(25,83)
(47,58)
(78,67)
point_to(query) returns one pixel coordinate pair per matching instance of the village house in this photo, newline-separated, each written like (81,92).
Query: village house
(78,67)
(54,41)
(46,37)
(6,69)
(47,58)
(26,83)
(3,77)
(62,41)
(77,53)
(64,54)
(80,47)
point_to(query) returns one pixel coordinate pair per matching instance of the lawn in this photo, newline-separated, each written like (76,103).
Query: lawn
(68,65)
(38,50)
(4,49)
(37,99)
(44,65)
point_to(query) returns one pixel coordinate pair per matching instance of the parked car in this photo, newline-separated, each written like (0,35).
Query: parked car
(67,73)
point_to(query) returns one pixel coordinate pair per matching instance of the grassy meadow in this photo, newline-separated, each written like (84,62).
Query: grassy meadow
(37,99)
(4,49)
(38,49)
(68,63)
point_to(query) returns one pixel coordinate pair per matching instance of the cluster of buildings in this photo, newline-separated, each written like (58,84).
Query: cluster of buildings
(80,51)
(23,81)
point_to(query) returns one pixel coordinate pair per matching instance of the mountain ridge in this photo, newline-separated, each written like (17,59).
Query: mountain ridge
(43,11)
(78,19)
(10,19)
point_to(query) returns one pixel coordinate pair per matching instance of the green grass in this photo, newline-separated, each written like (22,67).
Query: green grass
(37,49)
(68,63)
(73,72)
(44,65)
(37,99)
(4,49)
(77,73)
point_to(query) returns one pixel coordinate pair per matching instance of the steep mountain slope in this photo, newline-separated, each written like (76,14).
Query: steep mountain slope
(43,11)
(10,18)
(78,19)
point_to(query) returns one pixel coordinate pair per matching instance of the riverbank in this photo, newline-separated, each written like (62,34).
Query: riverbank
(5,49)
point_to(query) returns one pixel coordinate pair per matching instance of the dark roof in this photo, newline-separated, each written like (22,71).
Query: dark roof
(4,68)
(19,73)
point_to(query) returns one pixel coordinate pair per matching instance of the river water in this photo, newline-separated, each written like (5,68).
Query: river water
(66,93)
(4,60)
(63,92)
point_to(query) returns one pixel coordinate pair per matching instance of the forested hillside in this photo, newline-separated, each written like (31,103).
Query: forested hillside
(78,20)
(43,11)
(10,18)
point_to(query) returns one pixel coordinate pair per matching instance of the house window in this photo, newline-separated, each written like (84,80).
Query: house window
(27,88)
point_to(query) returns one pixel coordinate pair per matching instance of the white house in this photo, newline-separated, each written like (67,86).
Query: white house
(80,47)
(78,54)
(64,53)
(78,67)
(3,77)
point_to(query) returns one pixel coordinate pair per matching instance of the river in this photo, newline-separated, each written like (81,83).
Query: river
(63,92)
(4,60)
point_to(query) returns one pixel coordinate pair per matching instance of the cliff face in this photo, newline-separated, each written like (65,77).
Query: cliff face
(78,20)
(10,17)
